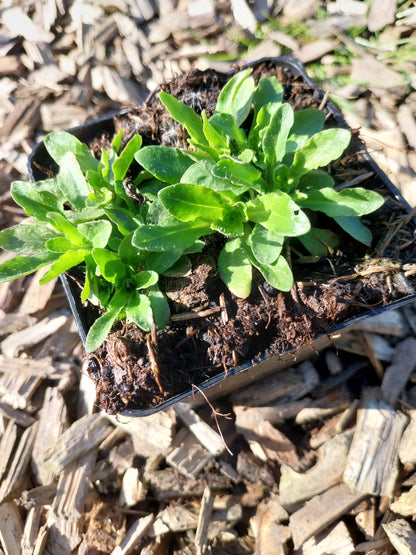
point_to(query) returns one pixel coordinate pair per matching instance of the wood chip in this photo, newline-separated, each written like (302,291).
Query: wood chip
(21,418)
(17,390)
(402,536)
(390,322)
(267,442)
(292,9)
(175,518)
(204,517)
(405,505)
(247,417)
(133,489)
(295,487)
(152,434)
(398,373)
(287,385)
(316,49)
(243,15)
(374,74)
(11,323)
(17,474)
(382,12)
(337,540)
(36,295)
(322,511)
(15,18)
(34,335)
(116,87)
(372,465)
(7,443)
(31,530)
(407,447)
(11,528)
(134,535)
(84,434)
(187,454)
(50,429)
(169,484)
(407,123)
(208,438)
(271,535)
(67,508)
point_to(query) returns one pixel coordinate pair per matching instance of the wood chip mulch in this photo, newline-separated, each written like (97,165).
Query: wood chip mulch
(317,458)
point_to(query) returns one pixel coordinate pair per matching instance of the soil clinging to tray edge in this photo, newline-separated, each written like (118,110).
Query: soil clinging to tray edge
(211,331)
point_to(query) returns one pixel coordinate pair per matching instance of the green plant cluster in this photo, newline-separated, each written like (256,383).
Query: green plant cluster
(251,173)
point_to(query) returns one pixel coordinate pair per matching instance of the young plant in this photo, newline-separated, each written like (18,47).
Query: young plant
(84,217)
(253,174)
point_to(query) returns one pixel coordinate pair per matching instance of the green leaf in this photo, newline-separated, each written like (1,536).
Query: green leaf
(268,95)
(306,123)
(66,261)
(235,268)
(322,148)
(85,215)
(201,173)
(120,298)
(123,219)
(239,173)
(278,274)
(173,234)
(59,244)
(122,163)
(116,142)
(110,265)
(319,242)
(96,233)
(354,227)
(28,237)
(277,212)
(348,202)
(161,262)
(232,222)
(188,202)
(226,125)
(265,245)
(72,183)
(99,198)
(150,188)
(59,143)
(214,138)
(185,115)
(20,266)
(61,224)
(35,203)
(236,96)
(165,163)
(144,279)
(275,137)
(160,307)
(315,179)
(100,329)
(139,311)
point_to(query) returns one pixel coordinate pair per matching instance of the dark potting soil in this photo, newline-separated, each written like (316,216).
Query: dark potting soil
(212,331)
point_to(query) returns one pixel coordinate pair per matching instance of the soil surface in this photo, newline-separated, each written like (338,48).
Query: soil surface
(212,331)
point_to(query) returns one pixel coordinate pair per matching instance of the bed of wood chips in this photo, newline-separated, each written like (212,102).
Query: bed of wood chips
(319,458)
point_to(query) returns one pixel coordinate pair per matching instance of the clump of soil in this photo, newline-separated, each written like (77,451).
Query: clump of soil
(211,331)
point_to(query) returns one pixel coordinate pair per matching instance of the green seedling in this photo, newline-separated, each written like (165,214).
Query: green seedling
(252,173)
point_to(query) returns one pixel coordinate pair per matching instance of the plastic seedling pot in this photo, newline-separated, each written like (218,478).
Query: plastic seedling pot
(41,166)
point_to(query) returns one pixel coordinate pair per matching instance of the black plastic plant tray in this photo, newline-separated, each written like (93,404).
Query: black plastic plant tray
(40,165)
